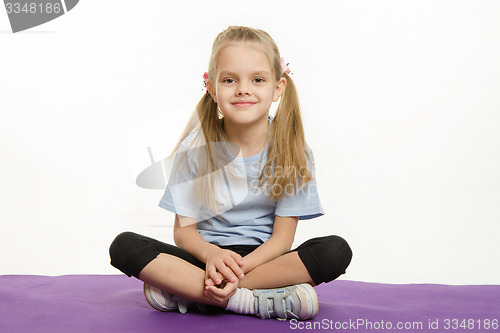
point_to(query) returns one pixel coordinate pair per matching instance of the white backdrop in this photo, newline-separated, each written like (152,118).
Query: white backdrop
(401,103)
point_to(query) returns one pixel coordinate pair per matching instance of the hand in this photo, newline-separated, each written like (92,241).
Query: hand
(220,295)
(223,265)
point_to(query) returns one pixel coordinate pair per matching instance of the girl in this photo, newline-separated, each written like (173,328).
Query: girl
(240,183)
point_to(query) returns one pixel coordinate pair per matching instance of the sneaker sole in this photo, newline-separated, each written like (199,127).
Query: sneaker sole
(149,293)
(308,300)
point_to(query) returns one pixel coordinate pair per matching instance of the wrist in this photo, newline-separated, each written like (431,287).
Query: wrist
(249,264)
(209,251)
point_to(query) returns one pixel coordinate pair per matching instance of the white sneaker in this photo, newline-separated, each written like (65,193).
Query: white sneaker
(163,301)
(299,301)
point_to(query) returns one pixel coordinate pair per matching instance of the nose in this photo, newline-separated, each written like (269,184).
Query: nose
(243,89)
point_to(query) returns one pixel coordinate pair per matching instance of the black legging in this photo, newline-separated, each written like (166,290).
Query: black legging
(325,258)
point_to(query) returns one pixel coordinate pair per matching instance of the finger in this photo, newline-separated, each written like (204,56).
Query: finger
(210,297)
(221,296)
(213,297)
(207,277)
(226,292)
(239,260)
(226,272)
(216,277)
(217,294)
(235,269)
(209,282)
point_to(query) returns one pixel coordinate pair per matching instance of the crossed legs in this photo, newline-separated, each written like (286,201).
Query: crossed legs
(179,277)
(174,270)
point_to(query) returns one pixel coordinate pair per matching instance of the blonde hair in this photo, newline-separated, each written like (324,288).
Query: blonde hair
(286,162)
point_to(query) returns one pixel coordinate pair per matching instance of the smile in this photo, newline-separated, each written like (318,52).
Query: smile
(243,104)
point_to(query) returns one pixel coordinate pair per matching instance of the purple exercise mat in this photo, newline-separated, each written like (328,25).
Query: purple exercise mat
(115,303)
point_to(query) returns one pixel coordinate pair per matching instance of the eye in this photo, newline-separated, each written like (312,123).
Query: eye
(259,80)
(228,80)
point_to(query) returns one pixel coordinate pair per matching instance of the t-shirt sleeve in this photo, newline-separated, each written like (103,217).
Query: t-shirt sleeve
(305,204)
(179,195)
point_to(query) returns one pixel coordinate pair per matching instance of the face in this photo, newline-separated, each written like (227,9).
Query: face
(245,86)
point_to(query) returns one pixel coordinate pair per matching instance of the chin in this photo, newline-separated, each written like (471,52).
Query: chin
(245,115)
(242,117)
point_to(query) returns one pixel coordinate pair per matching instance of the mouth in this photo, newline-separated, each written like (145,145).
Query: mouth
(243,104)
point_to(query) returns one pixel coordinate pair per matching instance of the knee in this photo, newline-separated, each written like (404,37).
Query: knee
(331,255)
(119,250)
(339,251)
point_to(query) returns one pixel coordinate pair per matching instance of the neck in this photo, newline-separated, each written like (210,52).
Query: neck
(250,138)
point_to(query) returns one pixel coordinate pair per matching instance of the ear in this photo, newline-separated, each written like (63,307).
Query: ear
(211,90)
(279,89)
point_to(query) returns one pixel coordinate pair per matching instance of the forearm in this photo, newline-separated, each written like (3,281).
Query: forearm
(197,246)
(279,243)
(189,239)
(271,249)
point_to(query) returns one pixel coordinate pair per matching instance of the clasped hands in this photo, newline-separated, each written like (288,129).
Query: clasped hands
(222,275)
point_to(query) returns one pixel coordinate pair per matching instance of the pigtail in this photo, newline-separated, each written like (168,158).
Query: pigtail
(206,124)
(209,159)
(286,162)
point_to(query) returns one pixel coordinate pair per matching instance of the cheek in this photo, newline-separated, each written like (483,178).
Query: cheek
(224,91)
(224,96)
(265,93)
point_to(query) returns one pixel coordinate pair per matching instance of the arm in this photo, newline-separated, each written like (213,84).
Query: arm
(187,237)
(280,242)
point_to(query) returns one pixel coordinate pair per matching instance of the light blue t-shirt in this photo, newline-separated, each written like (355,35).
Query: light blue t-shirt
(247,217)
